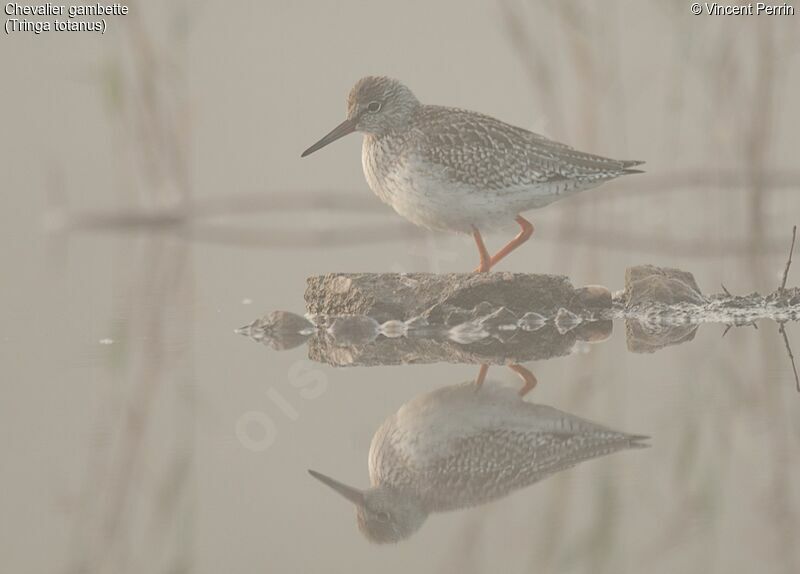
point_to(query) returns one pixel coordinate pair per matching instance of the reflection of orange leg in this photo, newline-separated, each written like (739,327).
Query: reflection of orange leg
(485,259)
(526,376)
(524,234)
(481,376)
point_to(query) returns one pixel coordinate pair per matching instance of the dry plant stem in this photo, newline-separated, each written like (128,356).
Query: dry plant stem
(788,262)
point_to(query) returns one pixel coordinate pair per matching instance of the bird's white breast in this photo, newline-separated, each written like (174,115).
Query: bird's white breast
(423,193)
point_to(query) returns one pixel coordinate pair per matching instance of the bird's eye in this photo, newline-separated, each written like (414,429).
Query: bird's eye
(383,516)
(374,107)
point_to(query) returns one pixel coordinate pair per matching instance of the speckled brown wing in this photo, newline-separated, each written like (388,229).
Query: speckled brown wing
(479,150)
(497,462)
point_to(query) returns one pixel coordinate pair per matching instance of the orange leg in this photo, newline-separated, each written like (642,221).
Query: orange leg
(485,259)
(488,262)
(481,376)
(528,378)
(524,234)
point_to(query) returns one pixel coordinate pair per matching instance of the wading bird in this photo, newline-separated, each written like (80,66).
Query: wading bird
(461,171)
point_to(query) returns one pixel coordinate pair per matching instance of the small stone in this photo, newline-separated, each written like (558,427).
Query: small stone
(593,297)
(393,329)
(647,285)
(532,321)
(466,333)
(500,320)
(354,330)
(566,321)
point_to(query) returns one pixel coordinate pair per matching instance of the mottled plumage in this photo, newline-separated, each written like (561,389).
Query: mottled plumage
(457,170)
(461,446)
(476,149)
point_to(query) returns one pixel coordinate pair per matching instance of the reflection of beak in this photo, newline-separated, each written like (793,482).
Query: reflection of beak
(352,494)
(346,127)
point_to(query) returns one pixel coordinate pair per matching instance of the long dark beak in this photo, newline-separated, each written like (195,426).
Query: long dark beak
(352,494)
(346,127)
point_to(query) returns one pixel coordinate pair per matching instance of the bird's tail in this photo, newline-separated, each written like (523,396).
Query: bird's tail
(628,164)
(638,441)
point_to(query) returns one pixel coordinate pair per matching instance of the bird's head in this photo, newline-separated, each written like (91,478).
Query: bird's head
(383,514)
(376,105)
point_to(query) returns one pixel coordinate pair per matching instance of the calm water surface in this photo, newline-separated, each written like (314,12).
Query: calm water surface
(145,434)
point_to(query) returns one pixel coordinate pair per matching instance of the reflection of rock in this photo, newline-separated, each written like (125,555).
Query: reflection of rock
(643,337)
(647,285)
(436,346)
(461,446)
(402,296)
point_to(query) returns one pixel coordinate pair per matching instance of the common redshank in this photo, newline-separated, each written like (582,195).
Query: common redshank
(456,170)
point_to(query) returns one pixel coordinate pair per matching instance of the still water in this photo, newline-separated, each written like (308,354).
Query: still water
(145,434)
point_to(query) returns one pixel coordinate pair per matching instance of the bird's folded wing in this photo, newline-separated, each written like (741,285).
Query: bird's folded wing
(479,150)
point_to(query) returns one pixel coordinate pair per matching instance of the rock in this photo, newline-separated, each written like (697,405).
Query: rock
(447,298)
(647,285)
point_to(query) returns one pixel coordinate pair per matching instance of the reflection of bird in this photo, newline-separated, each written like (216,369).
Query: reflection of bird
(456,170)
(461,446)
